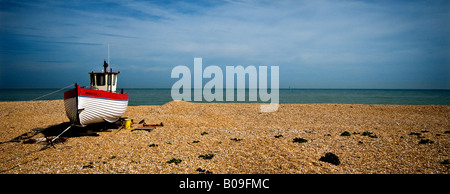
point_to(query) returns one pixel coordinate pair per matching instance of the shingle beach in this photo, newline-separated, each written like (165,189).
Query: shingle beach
(222,138)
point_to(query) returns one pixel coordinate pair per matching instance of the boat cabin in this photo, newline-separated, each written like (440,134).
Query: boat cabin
(106,81)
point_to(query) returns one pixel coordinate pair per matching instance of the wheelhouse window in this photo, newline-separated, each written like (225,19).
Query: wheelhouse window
(100,79)
(109,79)
(114,79)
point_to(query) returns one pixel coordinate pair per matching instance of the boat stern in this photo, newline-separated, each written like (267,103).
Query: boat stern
(71,105)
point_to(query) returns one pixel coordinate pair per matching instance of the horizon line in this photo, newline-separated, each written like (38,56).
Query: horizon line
(168,88)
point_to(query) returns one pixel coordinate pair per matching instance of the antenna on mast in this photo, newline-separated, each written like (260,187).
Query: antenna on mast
(108,53)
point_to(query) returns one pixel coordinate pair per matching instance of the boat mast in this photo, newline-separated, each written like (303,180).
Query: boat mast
(106,73)
(108,53)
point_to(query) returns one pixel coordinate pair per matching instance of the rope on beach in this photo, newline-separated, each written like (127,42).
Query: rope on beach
(37,150)
(30,152)
(52,92)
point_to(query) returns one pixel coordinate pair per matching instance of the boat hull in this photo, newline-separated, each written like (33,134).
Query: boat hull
(86,106)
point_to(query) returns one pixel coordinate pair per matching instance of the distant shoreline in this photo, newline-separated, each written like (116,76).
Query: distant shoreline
(133,88)
(161,96)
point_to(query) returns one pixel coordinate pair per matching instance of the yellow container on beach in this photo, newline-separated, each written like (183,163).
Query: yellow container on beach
(127,123)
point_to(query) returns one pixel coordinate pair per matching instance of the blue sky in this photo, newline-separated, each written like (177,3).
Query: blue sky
(316,44)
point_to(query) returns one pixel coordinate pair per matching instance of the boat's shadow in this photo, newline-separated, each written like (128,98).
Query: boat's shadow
(77,131)
(38,135)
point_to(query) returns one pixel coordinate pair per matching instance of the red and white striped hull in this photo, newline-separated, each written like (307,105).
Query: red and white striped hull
(86,106)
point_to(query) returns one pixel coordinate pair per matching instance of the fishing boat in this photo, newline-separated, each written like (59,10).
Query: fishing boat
(99,102)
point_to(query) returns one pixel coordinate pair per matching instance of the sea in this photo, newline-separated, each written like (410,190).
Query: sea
(160,96)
